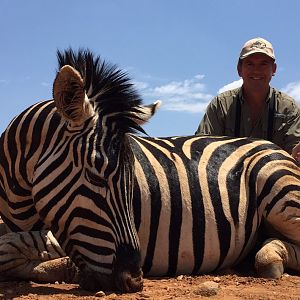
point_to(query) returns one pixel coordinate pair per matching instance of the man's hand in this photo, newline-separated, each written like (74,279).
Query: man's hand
(296,152)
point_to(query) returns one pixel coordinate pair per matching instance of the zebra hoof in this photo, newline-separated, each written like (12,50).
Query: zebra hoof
(272,271)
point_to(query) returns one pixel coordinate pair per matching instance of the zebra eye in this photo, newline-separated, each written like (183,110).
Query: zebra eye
(95,179)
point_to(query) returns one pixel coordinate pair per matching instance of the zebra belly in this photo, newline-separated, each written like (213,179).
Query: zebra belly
(193,213)
(161,257)
(182,234)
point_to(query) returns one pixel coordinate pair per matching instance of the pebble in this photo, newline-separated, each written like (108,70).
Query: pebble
(100,294)
(180,277)
(112,295)
(217,279)
(143,295)
(207,289)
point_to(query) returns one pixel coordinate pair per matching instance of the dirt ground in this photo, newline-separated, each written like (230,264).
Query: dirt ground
(183,287)
(226,286)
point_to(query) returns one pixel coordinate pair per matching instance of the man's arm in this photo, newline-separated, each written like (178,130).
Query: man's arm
(293,132)
(212,122)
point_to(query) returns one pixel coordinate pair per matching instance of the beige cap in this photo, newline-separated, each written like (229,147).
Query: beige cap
(257,45)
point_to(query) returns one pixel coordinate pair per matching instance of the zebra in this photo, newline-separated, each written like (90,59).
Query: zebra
(80,175)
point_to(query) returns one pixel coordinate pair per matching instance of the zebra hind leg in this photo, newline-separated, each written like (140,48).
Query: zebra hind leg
(34,256)
(281,223)
(275,256)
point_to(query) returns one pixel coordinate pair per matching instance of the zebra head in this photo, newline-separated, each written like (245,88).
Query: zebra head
(83,184)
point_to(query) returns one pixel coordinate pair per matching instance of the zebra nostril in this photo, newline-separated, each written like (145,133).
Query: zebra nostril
(129,282)
(124,281)
(127,270)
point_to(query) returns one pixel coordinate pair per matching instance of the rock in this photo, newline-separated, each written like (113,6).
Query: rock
(100,294)
(143,295)
(207,289)
(216,279)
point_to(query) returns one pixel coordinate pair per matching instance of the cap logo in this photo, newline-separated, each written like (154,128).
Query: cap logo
(259,45)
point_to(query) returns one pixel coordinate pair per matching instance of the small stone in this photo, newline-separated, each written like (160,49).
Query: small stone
(207,289)
(217,279)
(143,295)
(180,277)
(100,294)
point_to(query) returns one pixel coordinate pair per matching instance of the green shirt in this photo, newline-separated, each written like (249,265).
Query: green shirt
(220,118)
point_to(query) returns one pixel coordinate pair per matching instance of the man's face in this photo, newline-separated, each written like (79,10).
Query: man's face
(256,70)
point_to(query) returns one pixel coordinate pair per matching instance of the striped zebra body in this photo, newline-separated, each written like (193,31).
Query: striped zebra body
(116,201)
(207,197)
(22,144)
(35,256)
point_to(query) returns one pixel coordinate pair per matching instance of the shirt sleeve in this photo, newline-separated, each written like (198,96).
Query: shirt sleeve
(292,134)
(286,128)
(213,122)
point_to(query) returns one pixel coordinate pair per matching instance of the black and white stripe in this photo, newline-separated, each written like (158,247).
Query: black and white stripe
(207,197)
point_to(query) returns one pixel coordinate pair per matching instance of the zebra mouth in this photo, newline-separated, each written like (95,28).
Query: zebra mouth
(129,282)
(125,282)
(127,271)
(126,276)
(94,281)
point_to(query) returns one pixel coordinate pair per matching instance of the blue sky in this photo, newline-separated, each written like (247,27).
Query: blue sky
(181,52)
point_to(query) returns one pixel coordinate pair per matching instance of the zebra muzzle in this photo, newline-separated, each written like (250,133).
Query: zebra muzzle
(94,281)
(126,276)
(127,272)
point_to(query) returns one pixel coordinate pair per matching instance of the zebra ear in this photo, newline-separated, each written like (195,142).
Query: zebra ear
(69,96)
(144,112)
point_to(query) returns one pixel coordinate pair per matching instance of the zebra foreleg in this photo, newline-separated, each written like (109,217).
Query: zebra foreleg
(275,256)
(56,270)
(34,256)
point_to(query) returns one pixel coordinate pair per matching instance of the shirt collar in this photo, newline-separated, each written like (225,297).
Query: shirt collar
(242,99)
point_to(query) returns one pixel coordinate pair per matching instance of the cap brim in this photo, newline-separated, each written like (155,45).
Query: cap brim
(256,51)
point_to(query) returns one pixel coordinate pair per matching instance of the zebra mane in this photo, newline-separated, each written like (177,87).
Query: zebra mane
(109,88)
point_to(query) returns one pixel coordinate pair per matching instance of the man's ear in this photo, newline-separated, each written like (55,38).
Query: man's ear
(274,68)
(239,68)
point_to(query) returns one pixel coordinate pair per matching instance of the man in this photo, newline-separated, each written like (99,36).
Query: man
(255,109)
